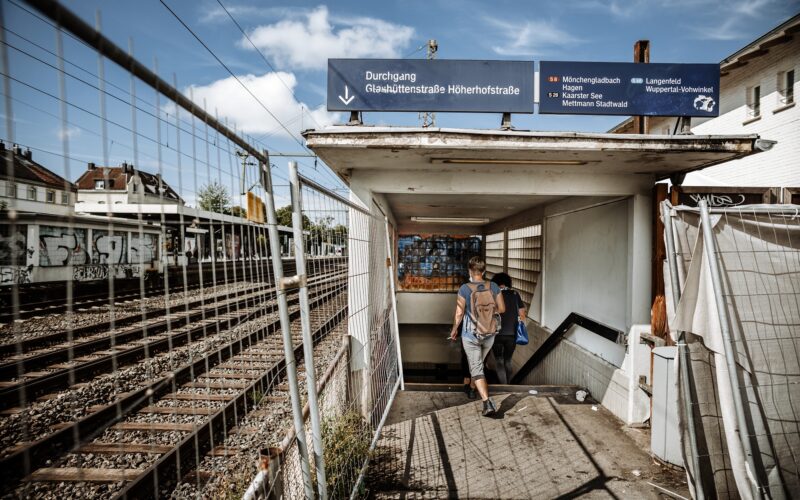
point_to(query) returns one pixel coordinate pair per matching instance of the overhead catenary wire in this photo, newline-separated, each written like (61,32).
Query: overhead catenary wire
(266,61)
(245,87)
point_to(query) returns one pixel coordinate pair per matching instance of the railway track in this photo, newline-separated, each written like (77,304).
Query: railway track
(206,397)
(57,366)
(87,296)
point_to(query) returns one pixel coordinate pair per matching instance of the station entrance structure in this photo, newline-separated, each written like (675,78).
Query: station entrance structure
(570,216)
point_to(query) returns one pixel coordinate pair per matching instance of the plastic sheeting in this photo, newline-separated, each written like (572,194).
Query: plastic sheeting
(759,255)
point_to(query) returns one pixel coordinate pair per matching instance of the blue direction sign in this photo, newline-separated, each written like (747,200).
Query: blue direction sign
(628,89)
(430,85)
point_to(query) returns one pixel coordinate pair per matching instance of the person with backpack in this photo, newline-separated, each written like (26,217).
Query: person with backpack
(479,305)
(506,341)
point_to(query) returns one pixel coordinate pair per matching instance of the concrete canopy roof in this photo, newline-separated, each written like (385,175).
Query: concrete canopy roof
(345,148)
(495,176)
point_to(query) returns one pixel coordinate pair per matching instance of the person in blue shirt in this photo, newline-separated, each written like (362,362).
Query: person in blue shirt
(506,341)
(476,346)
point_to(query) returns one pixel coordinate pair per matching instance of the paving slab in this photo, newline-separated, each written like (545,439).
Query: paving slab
(549,445)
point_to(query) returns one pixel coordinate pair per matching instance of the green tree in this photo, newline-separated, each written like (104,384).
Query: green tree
(237,211)
(284,216)
(214,197)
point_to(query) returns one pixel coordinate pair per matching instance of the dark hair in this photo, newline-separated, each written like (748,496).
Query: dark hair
(502,279)
(477,265)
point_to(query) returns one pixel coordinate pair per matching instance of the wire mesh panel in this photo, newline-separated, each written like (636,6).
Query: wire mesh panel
(357,386)
(525,259)
(757,250)
(140,352)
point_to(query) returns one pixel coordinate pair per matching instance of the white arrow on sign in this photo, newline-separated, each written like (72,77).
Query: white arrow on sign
(347,99)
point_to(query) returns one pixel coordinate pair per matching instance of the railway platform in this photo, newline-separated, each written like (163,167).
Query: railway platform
(436,444)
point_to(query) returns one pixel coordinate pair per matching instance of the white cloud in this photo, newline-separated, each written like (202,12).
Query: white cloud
(530,38)
(308,42)
(68,132)
(274,90)
(215,13)
(733,20)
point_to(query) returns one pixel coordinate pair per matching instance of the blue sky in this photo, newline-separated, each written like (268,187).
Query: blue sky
(296,38)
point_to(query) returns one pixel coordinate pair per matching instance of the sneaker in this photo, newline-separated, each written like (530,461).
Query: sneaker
(470,391)
(489,408)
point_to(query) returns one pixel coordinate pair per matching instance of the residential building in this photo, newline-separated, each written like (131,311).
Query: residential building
(32,188)
(758,95)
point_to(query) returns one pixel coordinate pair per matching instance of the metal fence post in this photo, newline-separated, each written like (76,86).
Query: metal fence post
(710,244)
(683,359)
(395,322)
(288,348)
(305,320)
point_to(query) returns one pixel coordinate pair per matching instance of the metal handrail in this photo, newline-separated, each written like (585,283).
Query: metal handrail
(573,319)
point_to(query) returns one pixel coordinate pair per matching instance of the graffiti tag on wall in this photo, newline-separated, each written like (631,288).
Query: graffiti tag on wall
(103,271)
(13,245)
(61,246)
(109,248)
(435,262)
(15,275)
(144,248)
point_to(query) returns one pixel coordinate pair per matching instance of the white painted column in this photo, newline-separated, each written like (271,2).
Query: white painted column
(640,236)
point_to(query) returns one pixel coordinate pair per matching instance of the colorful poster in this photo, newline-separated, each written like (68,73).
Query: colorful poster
(429,262)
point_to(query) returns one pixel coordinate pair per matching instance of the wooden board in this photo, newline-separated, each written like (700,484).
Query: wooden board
(239,375)
(179,410)
(217,385)
(123,448)
(79,474)
(200,397)
(157,427)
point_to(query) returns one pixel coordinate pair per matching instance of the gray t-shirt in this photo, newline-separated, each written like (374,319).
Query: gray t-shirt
(465,291)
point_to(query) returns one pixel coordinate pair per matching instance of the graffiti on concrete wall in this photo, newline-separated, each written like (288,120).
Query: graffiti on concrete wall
(15,275)
(108,248)
(430,262)
(62,246)
(103,271)
(144,248)
(13,245)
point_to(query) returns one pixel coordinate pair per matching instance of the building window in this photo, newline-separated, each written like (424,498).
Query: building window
(64,198)
(786,87)
(50,196)
(32,193)
(11,190)
(134,187)
(99,184)
(754,101)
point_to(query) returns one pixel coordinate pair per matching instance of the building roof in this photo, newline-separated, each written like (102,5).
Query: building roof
(118,178)
(27,170)
(781,34)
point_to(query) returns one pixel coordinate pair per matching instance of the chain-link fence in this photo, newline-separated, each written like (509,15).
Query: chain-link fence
(355,393)
(737,274)
(147,349)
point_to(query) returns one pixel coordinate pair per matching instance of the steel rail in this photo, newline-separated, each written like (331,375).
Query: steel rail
(61,379)
(49,449)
